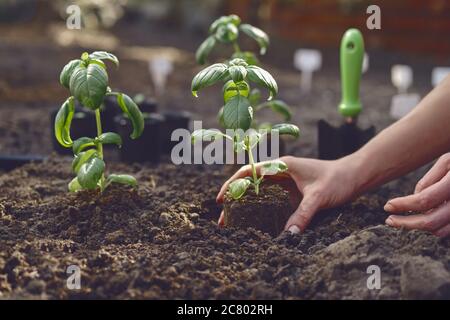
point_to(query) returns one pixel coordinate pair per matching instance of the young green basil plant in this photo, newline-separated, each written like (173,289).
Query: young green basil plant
(226,30)
(87,80)
(238,115)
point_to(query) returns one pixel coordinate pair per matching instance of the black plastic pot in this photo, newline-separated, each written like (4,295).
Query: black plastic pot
(173,120)
(8,162)
(83,125)
(147,147)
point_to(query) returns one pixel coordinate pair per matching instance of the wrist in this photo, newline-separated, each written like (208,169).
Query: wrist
(356,173)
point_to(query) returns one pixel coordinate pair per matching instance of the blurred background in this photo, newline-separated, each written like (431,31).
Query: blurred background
(35,44)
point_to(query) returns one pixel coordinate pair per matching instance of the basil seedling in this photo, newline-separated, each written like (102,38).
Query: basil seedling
(237,114)
(87,80)
(226,30)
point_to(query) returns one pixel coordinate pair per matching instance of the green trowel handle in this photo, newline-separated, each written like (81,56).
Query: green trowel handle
(352,53)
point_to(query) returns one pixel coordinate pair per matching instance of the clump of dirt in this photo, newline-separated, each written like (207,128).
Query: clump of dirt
(267,211)
(161,240)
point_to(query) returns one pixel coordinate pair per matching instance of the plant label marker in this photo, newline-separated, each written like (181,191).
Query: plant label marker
(338,142)
(402,104)
(160,68)
(401,77)
(438,74)
(365,65)
(307,61)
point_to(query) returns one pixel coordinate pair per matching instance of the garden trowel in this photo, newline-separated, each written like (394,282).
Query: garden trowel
(338,142)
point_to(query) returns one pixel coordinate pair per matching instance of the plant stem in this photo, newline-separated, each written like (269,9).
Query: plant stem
(100,145)
(236,47)
(252,164)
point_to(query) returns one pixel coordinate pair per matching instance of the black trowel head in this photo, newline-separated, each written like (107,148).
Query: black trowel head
(335,143)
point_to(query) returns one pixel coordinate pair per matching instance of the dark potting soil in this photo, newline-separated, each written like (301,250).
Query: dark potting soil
(267,211)
(161,241)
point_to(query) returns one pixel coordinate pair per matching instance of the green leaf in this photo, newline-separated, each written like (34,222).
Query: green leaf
(90,173)
(227,33)
(81,158)
(205,49)
(231,89)
(253,138)
(208,135)
(287,129)
(257,34)
(247,56)
(238,187)
(220,117)
(237,113)
(277,106)
(74,185)
(208,76)
(134,114)
(122,179)
(103,55)
(64,77)
(237,73)
(273,168)
(254,96)
(63,121)
(81,144)
(218,22)
(89,85)
(263,78)
(109,138)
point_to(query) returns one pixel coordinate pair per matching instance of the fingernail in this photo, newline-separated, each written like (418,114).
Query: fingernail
(388,207)
(389,222)
(294,229)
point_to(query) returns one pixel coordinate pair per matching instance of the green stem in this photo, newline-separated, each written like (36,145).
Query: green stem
(252,164)
(236,47)
(100,145)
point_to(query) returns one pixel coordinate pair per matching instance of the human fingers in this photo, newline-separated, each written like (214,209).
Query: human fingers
(439,170)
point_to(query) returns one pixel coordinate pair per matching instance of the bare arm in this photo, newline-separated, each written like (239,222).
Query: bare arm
(416,139)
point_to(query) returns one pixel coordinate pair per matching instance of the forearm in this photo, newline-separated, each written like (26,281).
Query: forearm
(414,140)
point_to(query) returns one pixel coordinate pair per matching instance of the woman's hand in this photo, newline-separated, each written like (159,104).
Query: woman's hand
(313,185)
(430,200)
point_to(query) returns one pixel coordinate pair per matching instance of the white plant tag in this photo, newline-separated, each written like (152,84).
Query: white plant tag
(402,104)
(307,61)
(438,74)
(365,64)
(402,77)
(160,68)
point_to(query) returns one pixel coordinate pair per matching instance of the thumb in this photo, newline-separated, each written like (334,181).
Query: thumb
(301,218)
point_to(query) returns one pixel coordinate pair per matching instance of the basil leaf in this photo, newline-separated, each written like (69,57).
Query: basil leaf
(74,185)
(208,76)
(205,49)
(81,158)
(218,22)
(277,106)
(238,187)
(63,121)
(231,89)
(122,179)
(257,34)
(273,168)
(254,97)
(64,77)
(89,85)
(208,135)
(90,173)
(109,138)
(81,144)
(262,77)
(103,55)
(227,33)
(237,73)
(237,113)
(134,114)
(287,129)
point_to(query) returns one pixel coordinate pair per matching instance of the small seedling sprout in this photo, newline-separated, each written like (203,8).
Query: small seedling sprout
(226,30)
(237,114)
(87,80)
